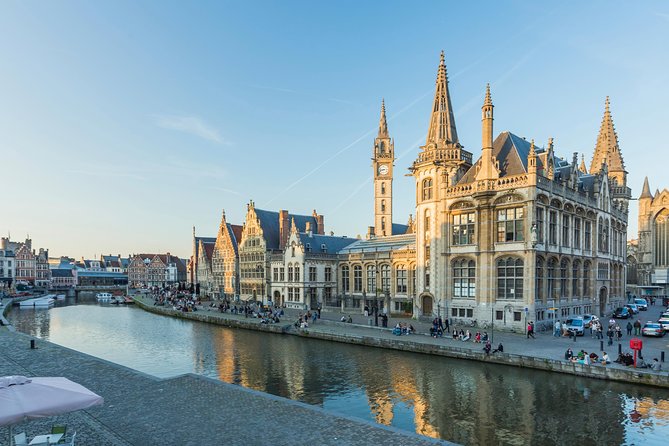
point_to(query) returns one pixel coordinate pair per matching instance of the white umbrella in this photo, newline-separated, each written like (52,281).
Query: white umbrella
(23,399)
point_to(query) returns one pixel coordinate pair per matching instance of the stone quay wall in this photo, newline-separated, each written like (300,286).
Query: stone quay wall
(378,338)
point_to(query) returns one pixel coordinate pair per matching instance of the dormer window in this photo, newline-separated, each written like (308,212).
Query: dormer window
(308,247)
(324,248)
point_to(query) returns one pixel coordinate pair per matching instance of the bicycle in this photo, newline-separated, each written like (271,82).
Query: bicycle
(485,325)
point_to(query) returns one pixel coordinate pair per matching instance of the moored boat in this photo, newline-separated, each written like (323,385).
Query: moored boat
(104,297)
(44,301)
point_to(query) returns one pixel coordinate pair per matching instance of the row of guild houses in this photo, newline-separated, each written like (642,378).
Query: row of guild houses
(21,264)
(160,270)
(516,234)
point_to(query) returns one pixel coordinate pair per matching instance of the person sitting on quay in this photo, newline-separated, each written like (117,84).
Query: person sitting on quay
(593,357)
(484,336)
(477,337)
(455,334)
(350,319)
(487,347)
(605,358)
(467,336)
(461,334)
(500,348)
(656,366)
(568,354)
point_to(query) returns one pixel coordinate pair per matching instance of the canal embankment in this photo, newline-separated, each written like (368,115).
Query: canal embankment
(544,353)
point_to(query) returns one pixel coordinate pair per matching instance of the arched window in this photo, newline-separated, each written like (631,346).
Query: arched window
(427,189)
(564,277)
(383,205)
(357,279)
(345,279)
(575,277)
(297,273)
(427,221)
(540,279)
(464,278)
(552,264)
(385,278)
(371,278)
(383,188)
(383,224)
(290,273)
(661,238)
(509,278)
(587,268)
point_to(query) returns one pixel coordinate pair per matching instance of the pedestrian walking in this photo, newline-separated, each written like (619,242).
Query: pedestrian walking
(530,330)
(637,327)
(609,334)
(629,328)
(557,329)
(619,332)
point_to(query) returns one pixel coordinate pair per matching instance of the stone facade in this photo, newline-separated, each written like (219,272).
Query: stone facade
(520,234)
(304,275)
(652,252)
(225,260)
(264,233)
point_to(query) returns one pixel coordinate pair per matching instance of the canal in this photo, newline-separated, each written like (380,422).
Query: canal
(462,401)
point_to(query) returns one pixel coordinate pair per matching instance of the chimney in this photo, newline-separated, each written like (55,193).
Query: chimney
(284,228)
(370,232)
(308,229)
(321,225)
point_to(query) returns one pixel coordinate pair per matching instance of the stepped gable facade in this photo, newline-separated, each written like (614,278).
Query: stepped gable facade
(265,232)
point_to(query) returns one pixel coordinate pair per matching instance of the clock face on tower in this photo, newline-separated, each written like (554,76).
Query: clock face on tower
(383,169)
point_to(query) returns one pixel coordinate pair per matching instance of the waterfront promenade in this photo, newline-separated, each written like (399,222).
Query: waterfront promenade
(182,411)
(546,352)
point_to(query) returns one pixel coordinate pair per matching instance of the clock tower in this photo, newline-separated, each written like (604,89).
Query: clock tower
(382,162)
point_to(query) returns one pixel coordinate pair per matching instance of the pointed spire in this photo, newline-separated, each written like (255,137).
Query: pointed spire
(645,192)
(442,122)
(532,150)
(488,98)
(607,149)
(383,124)
(581,166)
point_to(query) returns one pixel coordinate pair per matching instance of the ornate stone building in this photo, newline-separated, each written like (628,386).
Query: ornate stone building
(304,275)
(225,260)
(265,233)
(652,254)
(520,234)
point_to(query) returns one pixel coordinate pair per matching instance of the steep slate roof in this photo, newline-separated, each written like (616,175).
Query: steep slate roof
(235,232)
(204,240)
(332,244)
(209,249)
(399,228)
(380,244)
(269,221)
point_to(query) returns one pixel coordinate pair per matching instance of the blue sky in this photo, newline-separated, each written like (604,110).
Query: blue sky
(123,124)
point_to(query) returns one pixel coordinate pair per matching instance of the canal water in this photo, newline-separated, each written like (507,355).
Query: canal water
(462,401)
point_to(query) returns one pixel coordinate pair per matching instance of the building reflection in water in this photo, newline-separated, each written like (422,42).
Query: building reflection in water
(462,401)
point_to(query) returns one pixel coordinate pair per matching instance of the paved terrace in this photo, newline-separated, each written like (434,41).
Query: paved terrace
(546,352)
(186,410)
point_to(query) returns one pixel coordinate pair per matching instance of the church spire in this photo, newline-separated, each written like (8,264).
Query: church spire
(607,149)
(581,166)
(442,122)
(383,124)
(645,192)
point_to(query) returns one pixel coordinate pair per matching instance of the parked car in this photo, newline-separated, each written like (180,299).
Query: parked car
(588,319)
(664,324)
(652,329)
(641,303)
(633,308)
(621,313)
(576,325)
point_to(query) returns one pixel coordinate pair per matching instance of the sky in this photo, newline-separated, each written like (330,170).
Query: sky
(124,124)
